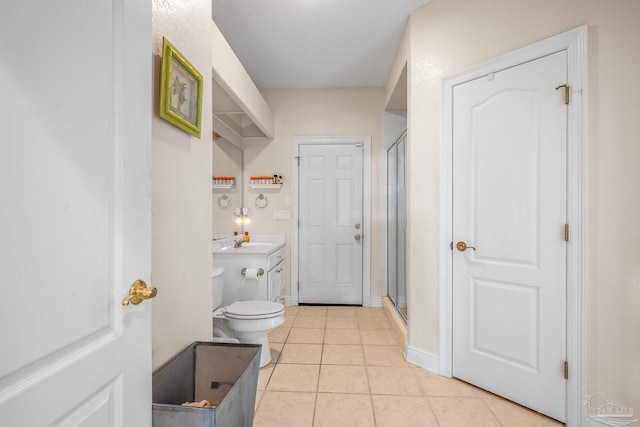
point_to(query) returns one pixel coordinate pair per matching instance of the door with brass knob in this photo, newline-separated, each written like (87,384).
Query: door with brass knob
(508,310)
(139,292)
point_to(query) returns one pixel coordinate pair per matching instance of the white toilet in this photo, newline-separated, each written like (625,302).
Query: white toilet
(249,321)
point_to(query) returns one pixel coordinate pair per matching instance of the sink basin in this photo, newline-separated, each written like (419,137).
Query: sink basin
(249,247)
(256,245)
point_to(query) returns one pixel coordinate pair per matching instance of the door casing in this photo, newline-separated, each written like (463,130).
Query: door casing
(365,140)
(575,43)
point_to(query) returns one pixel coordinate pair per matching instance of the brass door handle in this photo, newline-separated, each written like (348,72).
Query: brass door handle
(357,237)
(139,292)
(462,246)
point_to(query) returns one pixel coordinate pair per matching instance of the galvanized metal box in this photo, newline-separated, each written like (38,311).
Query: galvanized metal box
(217,372)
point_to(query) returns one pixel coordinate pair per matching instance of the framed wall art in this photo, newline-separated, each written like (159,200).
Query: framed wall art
(180,91)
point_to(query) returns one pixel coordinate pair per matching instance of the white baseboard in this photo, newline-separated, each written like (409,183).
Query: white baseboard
(375,302)
(422,358)
(286,300)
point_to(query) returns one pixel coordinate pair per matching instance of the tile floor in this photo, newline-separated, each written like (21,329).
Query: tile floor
(343,366)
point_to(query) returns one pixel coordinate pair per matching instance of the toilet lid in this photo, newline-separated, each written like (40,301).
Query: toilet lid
(254,309)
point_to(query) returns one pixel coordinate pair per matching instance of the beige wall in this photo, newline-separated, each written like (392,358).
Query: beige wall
(446,37)
(181,178)
(317,112)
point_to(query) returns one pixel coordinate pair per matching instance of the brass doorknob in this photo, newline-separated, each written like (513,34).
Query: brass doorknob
(139,292)
(357,237)
(462,246)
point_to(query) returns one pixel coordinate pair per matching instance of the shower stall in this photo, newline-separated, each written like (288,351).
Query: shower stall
(397,225)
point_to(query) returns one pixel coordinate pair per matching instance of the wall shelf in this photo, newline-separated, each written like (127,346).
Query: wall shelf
(264,186)
(222,186)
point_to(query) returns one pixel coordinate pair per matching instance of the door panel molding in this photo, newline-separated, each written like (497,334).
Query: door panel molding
(365,140)
(575,43)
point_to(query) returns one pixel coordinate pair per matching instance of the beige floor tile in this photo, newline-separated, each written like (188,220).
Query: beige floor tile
(483,394)
(343,379)
(342,354)
(285,409)
(378,337)
(259,394)
(264,374)
(310,310)
(290,377)
(288,321)
(390,380)
(342,311)
(438,386)
(371,312)
(279,334)
(384,355)
(323,354)
(344,322)
(343,410)
(301,353)
(512,414)
(291,310)
(276,351)
(306,335)
(462,412)
(373,323)
(405,411)
(342,336)
(309,322)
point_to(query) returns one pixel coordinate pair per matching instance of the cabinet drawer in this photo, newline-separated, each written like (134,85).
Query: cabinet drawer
(275,258)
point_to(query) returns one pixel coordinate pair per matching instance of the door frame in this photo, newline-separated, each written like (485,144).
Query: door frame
(575,43)
(365,140)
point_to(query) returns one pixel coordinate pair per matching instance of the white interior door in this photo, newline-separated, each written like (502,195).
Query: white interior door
(509,203)
(75,225)
(330,224)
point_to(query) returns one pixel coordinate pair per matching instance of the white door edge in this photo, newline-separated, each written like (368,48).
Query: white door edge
(575,42)
(365,140)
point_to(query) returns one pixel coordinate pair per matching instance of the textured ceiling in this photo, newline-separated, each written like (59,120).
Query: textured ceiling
(314,43)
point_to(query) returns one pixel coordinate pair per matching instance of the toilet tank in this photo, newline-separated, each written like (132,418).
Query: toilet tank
(217,282)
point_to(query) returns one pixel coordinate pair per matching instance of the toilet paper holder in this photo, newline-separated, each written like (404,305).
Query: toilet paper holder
(244,271)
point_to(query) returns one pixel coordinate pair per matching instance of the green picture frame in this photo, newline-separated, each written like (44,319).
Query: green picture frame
(180,91)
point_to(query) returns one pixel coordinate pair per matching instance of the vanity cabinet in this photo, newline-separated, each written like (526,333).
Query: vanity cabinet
(268,257)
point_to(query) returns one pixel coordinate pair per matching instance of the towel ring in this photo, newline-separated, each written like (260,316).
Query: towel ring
(262,201)
(224,202)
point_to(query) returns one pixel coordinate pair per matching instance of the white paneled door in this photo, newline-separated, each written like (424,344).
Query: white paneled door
(509,210)
(330,224)
(75,216)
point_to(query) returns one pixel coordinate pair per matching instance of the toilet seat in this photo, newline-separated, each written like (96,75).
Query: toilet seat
(252,310)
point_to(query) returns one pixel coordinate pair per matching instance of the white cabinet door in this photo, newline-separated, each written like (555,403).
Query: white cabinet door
(75,217)
(276,282)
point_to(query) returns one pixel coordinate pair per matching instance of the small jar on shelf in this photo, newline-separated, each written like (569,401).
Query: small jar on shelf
(228,181)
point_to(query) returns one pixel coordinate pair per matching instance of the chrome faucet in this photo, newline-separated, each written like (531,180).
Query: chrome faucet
(238,243)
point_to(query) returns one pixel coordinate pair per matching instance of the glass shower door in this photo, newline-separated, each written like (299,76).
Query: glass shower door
(397,225)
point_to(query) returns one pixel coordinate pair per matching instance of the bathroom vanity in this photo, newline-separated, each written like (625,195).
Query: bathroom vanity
(264,254)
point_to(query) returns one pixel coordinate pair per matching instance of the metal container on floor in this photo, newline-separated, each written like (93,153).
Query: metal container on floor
(225,374)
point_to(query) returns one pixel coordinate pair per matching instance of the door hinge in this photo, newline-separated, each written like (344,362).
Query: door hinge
(566,232)
(566,370)
(298,159)
(451,245)
(566,93)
